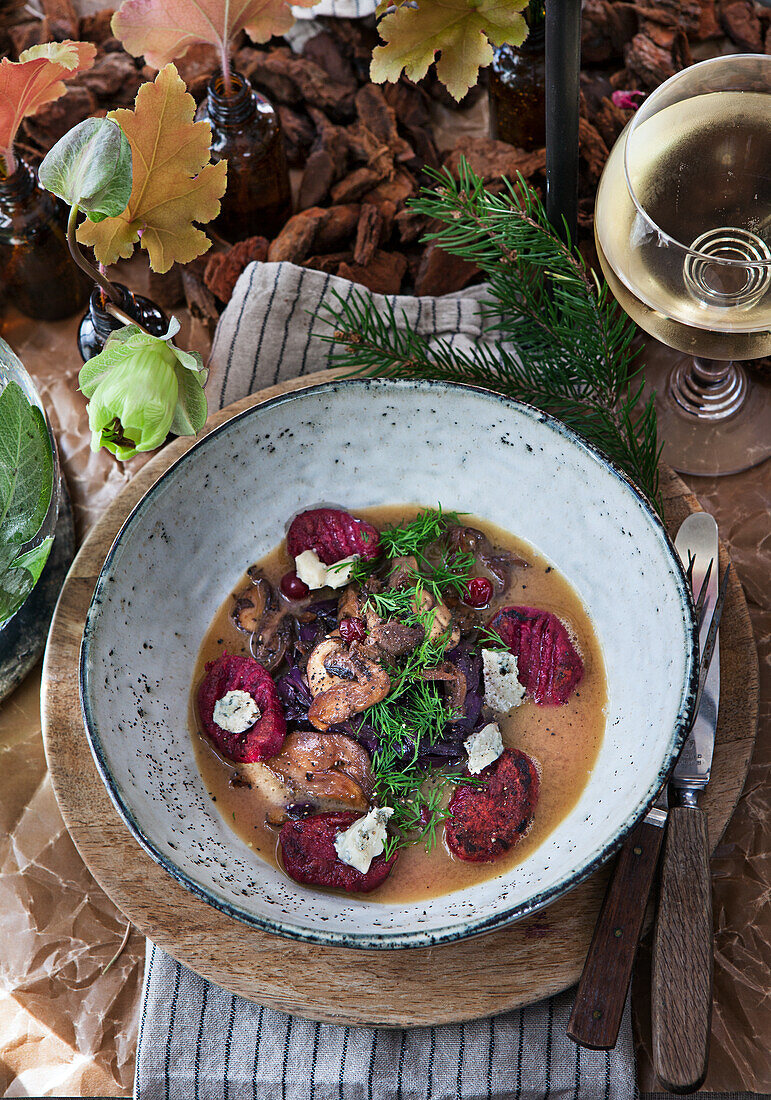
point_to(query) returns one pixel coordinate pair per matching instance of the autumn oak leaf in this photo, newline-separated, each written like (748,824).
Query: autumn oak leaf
(163,30)
(173,186)
(462,32)
(36,79)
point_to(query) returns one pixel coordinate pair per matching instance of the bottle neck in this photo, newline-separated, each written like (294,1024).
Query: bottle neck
(104,323)
(19,185)
(535,17)
(227,107)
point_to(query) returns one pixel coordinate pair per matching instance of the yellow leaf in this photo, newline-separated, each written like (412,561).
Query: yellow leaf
(174,184)
(462,31)
(162,30)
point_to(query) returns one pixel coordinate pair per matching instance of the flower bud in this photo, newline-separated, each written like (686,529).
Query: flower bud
(140,388)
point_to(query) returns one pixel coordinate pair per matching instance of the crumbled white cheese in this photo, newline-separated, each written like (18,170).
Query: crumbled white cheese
(503,690)
(236,711)
(365,839)
(338,574)
(310,569)
(316,574)
(483,747)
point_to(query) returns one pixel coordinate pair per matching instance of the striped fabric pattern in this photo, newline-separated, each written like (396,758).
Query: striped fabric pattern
(270,328)
(199,1042)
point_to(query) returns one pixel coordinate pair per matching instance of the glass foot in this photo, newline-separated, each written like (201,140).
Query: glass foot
(712,429)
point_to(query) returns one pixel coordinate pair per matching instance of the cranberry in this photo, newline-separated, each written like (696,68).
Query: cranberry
(352,630)
(293,588)
(479,592)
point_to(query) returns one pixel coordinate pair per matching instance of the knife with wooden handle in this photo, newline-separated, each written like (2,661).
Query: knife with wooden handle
(602,988)
(681,994)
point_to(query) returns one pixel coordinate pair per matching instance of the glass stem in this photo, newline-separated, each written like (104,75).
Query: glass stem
(708,389)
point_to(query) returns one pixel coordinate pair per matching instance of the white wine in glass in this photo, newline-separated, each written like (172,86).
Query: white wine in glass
(683,232)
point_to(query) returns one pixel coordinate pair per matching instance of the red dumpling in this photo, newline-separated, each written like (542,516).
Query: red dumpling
(265,736)
(548,664)
(333,534)
(487,818)
(309,856)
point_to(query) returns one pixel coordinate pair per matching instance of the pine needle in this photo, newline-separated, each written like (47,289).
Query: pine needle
(556,337)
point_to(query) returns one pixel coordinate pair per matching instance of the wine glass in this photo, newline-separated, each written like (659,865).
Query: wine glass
(683,233)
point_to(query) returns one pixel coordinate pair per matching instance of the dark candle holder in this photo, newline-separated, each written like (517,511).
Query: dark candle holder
(98,322)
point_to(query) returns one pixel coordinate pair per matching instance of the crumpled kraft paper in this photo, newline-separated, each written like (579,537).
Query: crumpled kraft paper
(66,1028)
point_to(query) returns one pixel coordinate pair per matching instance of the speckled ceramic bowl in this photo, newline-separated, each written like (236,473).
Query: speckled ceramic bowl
(358,443)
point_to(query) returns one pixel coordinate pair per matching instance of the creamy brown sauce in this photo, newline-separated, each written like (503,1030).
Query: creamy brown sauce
(564,740)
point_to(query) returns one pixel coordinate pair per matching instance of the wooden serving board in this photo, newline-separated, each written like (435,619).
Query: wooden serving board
(531,959)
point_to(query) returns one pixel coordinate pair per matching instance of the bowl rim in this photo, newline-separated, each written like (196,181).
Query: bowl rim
(386,940)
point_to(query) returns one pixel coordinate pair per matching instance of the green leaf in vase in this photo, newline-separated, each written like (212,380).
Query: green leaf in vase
(26,468)
(34,560)
(15,585)
(91,168)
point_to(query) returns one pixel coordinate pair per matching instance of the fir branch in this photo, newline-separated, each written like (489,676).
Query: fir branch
(557,338)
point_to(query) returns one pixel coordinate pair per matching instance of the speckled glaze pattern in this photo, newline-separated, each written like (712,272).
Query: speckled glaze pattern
(356,443)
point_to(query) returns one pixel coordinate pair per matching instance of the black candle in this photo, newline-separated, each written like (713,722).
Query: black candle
(563,60)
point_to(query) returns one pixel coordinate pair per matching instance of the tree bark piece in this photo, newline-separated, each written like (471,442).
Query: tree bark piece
(223,268)
(62,19)
(383,274)
(441,273)
(368,232)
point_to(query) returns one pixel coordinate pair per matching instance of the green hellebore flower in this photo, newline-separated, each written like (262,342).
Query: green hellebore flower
(140,388)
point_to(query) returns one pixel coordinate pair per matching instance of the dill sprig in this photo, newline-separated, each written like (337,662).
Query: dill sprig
(412,538)
(557,338)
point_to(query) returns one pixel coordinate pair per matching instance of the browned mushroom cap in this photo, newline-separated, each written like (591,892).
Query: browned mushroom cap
(252,603)
(360,683)
(324,669)
(455,681)
(329,769)
(396,638)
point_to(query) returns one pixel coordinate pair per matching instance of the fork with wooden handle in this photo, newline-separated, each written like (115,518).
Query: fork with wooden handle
(602,988)
(681,988)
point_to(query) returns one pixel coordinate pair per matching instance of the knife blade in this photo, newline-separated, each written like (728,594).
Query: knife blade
(681,992)
(698,538)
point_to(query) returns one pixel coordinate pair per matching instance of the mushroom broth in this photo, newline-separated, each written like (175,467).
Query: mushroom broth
(564,740)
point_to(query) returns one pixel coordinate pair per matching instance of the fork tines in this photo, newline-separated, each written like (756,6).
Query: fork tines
(709,644)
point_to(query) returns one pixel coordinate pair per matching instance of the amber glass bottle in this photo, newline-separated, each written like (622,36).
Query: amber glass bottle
(97,324)
(517,86)
(246,132)
(37,273)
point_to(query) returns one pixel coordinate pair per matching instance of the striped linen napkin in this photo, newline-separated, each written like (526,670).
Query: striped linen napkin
(199,1041)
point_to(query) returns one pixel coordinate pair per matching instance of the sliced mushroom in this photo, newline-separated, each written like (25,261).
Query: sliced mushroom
(350,604)
(252,603)
(403,571)
(269,642)
(455,681)
(320,678)
(335,704)
(494,564)
(329,769)
(442,620)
